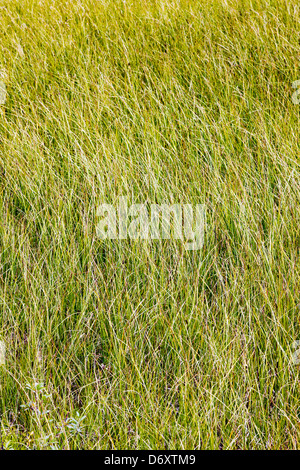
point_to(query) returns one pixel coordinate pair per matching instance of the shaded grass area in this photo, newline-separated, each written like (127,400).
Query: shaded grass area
(143,345)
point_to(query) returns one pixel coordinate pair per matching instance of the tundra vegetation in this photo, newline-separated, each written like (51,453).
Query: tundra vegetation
(142,344)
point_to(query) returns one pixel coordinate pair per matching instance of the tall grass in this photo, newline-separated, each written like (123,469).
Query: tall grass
(123,344)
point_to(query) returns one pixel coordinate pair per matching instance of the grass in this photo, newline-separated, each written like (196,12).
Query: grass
(123,344)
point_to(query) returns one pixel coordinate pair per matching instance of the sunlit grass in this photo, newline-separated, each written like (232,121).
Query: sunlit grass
(143,345)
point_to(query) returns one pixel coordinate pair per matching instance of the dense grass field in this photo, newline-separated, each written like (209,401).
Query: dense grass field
(130,344)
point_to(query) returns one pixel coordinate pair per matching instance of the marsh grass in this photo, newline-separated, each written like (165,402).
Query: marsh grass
(143,345)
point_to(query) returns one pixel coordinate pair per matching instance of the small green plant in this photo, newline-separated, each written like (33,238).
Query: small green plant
(41,411)
(38,405)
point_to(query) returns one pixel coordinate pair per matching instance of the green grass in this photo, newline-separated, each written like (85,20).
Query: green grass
(144,345)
